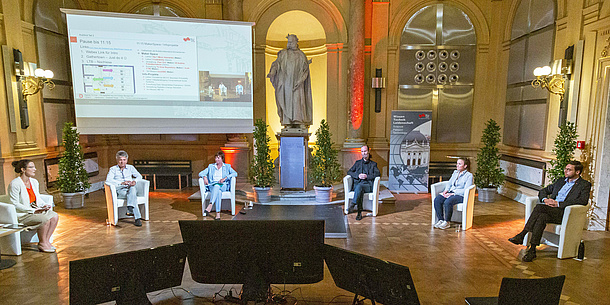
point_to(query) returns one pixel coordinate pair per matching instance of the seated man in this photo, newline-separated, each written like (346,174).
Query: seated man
(555,197)
(364,173)
(124,177)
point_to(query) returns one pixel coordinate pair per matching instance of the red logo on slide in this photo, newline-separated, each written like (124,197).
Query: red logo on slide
(422,116)
(186,39)
(72,38)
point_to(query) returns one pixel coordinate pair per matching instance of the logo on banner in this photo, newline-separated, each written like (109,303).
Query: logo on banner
(72,38)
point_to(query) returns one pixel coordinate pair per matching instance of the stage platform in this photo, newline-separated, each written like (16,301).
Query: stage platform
(336,222)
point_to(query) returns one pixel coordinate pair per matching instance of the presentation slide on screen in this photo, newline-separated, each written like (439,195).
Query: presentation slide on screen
(136,74)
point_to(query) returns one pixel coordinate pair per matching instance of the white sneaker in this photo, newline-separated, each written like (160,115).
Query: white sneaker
(438,223)
(444,225)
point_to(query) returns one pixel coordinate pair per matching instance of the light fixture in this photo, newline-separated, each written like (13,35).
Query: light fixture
(32,84)
(553,79)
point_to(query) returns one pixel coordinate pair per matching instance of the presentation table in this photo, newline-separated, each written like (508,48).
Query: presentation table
(7,263)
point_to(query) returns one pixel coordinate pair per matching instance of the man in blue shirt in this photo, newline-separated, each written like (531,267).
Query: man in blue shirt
(124,177)
(554,198)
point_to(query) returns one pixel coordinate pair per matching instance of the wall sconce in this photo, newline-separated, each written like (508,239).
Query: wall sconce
(32,84)
(378,83)
(553,79)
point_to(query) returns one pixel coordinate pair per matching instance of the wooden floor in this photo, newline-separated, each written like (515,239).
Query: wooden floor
(446,265)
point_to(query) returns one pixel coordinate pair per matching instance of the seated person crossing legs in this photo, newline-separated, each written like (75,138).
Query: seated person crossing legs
(554,198)
(363,172)
(217,177)
(124,177)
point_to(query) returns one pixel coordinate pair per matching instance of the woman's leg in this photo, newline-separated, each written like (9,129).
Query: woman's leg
(438,206)
(449,203)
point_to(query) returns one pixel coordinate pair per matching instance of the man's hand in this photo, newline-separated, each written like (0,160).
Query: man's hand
(132,183)
(126,183)
(362,176)
(222,180)
(205,181)
(551,202)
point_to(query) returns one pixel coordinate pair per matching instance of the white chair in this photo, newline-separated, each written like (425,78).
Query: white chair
(11,244)
(117,208)
(225,195)
(372,204)
(466,208)
(565,236)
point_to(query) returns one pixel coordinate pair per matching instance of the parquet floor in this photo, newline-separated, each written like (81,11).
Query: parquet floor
(446,265)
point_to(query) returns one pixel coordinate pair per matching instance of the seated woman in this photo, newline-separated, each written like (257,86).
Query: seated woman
(31,210)
(453,193)
(217,178)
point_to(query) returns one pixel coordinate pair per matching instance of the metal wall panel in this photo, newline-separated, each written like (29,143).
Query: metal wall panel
(54,117)
(514,94)
(454,116)
(539,52)
(421,27)
(532,126)
(542,13)
(48,16)
(512,115)
(457,27)
(436,66)
(531,93)
(53,54)
(415,99)
(516,61)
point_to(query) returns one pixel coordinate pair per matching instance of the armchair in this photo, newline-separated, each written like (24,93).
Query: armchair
(466,208)
(565,236)
(11,244)
(225,195)
(117,208)
(372,204)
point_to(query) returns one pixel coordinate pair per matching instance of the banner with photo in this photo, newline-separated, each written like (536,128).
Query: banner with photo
(410,151)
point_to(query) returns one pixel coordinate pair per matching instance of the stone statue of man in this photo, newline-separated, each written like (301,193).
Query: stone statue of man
(289,75)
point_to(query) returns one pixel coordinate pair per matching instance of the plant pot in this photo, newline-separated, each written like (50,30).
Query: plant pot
(323,193)
(74,200)
(487,194)
(262,194)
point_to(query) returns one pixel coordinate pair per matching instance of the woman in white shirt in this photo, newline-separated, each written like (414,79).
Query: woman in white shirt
(31,209)
(453,193)
(217,178)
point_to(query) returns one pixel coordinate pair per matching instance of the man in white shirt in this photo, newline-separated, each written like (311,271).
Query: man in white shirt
(124,177)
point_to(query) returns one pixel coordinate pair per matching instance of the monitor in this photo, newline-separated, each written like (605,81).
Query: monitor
(126,277)
(369,277)
(255,253)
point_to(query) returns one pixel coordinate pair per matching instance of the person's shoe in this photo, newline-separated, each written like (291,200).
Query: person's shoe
(49,250)
(438,223)
(517,239)
(444,225)
(138,222)
(351,209)
(129,211)
(530,254)
(359,216)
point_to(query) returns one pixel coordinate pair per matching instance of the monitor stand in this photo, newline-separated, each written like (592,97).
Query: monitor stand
(256,287)
(132,293)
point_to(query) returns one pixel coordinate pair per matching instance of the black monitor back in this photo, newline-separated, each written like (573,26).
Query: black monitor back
(126,275)
(372,278)
(230,252)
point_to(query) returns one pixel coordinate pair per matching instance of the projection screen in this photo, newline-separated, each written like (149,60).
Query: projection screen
(140,74)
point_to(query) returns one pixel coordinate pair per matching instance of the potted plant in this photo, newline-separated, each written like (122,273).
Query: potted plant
(565,144)
(325,169)
(489,175)
(73,179)
(261,172)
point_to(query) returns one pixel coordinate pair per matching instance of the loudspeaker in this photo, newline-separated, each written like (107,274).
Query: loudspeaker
(18,58)
(19,72)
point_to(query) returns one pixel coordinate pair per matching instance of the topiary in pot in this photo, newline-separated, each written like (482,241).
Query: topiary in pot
(324,166)
(565,144)
(261,172)
(73,179)
(489,175)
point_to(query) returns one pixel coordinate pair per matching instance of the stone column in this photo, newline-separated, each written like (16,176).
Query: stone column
(355,134)
(233,10)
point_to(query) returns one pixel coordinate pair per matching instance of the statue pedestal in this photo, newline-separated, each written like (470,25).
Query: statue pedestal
(293,158)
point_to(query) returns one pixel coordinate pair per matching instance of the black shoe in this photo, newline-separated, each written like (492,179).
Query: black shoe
(351,209)
(517,239)
(138,222)
(530,254)
(129,211)
(359,216)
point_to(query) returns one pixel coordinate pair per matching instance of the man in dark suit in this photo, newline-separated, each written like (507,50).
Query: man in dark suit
(555,197)
(363,172)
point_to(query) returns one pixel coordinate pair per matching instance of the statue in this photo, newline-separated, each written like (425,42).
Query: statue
(289,75)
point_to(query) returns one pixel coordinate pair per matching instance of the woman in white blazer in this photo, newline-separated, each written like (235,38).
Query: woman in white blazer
(31,209)
(217,178)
